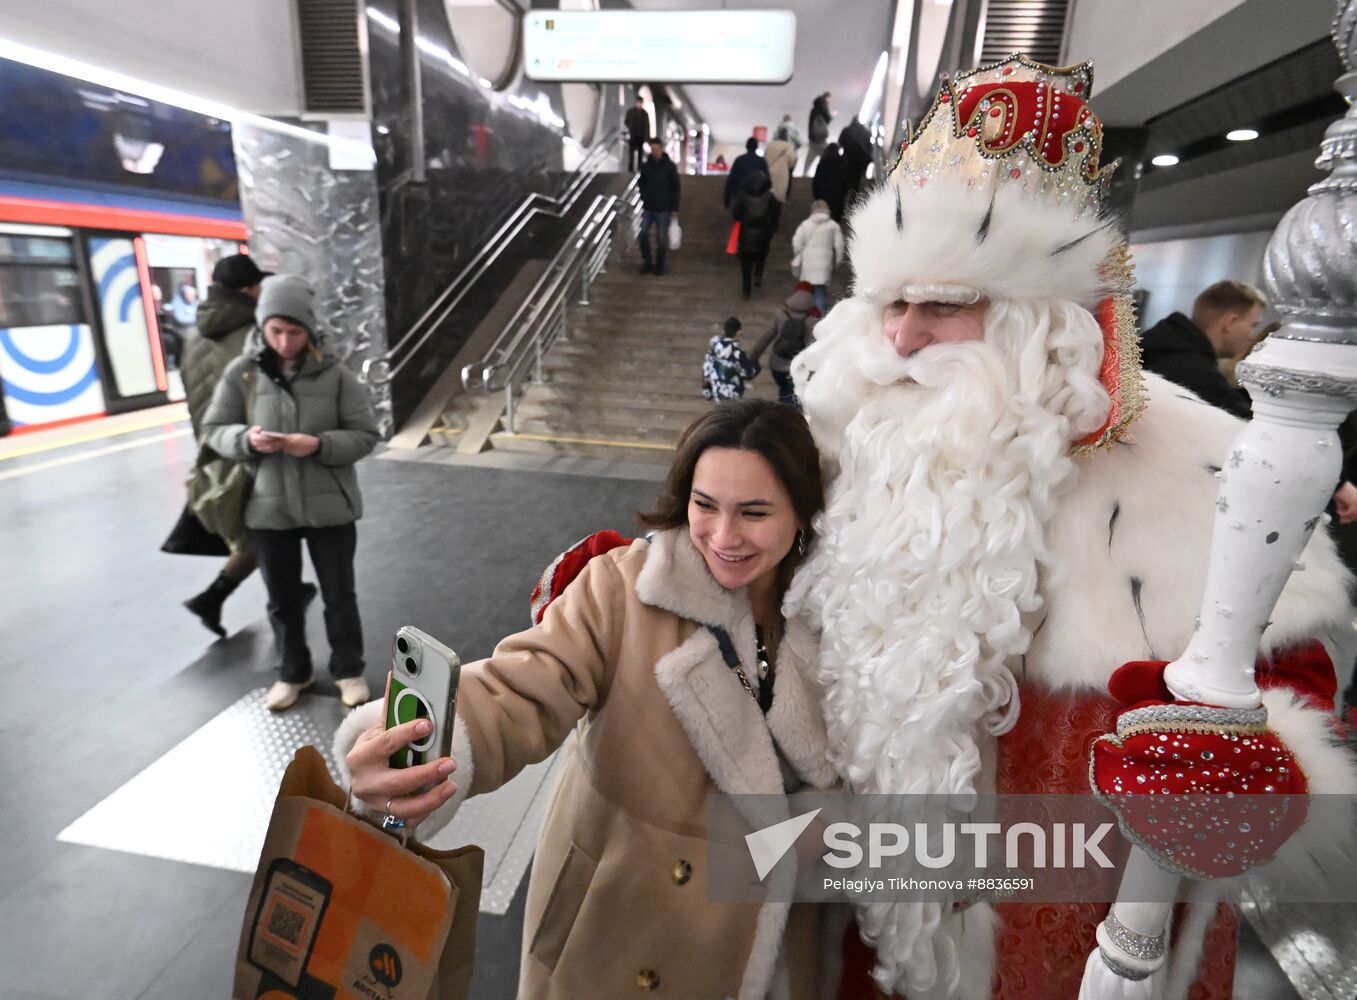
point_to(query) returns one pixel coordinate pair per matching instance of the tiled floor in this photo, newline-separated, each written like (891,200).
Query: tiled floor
(110,679)
(121,713)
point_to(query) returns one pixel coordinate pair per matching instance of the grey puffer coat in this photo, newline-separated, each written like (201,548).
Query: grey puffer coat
(323,398)
(225,318)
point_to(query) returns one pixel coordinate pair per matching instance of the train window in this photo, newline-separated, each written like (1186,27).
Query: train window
(39,296)
(39,285)
(20,249)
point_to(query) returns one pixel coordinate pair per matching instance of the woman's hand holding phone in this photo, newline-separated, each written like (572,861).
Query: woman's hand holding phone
(412,793)
(266,442)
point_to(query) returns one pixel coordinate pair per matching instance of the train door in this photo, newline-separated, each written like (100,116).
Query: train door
(125,321)
(181,271)
(49,358)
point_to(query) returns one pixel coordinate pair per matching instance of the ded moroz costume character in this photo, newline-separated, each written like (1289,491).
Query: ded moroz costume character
(1010,520)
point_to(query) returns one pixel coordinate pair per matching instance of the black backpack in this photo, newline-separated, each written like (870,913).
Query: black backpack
(791,338)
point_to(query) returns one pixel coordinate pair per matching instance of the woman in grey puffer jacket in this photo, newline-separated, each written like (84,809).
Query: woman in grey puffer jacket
(303,419)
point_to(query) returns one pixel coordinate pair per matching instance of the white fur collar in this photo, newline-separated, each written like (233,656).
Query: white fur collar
(725,726)
(1130,542)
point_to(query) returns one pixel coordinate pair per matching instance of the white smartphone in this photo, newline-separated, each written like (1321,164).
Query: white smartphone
(423,685)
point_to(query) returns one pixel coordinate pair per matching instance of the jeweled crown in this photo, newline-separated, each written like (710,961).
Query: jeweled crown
(1015,122)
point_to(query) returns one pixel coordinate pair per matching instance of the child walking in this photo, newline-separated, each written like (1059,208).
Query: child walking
(726,366)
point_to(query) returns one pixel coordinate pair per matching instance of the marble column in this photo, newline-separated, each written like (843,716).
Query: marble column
(308,218)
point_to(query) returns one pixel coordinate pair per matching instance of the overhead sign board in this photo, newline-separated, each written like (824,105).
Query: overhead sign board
(660,46)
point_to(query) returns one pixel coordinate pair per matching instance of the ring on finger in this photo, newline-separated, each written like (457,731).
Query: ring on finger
(390,822)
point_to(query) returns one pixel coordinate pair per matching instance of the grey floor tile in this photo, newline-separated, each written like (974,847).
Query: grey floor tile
(100,924)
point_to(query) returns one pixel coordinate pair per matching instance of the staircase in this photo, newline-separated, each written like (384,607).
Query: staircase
(628,379)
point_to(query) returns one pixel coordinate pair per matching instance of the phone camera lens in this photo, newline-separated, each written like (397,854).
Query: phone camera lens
(411,667)
(402,644)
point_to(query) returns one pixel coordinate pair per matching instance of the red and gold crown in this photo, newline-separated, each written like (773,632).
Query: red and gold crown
(1017,123)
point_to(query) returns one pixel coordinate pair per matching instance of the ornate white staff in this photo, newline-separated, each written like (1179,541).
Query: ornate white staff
(1275,482)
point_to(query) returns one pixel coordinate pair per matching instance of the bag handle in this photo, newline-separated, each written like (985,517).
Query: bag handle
(402,833)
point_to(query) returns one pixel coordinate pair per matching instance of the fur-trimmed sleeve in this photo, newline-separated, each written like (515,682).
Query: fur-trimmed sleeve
(521,703)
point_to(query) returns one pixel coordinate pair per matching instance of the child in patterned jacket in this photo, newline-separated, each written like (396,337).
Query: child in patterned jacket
(726,366)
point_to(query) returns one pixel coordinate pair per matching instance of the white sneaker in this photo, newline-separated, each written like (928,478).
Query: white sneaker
(284,695)
(353,691)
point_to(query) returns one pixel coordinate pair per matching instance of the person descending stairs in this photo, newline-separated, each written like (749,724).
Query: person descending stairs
(627,379)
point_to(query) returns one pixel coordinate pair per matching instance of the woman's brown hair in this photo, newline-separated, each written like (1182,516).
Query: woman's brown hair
(777,432)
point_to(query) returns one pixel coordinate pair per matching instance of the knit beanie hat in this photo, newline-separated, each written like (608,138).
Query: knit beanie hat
(288,296)
(732,326)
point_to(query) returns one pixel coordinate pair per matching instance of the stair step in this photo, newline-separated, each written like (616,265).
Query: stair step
(600,428)
(580,416)
(551,444)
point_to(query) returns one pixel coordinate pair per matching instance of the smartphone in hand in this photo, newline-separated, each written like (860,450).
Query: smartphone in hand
(424,676)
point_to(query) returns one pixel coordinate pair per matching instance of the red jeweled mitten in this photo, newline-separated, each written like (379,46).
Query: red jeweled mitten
(1208,792)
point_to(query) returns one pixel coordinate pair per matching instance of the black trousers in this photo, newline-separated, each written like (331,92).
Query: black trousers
(280,563)
(636,154)
(751,266)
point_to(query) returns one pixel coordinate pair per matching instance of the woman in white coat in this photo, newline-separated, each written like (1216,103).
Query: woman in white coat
(818,248)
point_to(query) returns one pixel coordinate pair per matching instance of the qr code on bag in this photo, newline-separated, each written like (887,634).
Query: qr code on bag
(286,924)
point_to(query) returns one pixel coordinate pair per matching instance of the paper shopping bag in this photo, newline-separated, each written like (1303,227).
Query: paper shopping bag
(341,910)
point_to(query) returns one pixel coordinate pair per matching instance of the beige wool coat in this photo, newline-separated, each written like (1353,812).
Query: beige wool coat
(618,900)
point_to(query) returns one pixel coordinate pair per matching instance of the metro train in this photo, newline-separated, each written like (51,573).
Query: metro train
(113,210)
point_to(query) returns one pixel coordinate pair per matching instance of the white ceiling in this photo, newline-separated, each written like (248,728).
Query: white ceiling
(241,54)
(837,47)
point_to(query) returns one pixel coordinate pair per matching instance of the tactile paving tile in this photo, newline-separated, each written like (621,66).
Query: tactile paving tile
(208,800)
(1315,945)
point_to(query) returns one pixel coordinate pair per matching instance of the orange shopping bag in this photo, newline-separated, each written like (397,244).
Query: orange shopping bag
(733,244)
(340,909)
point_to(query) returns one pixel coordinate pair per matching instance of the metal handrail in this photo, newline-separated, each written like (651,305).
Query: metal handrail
(541,318)
(385,367)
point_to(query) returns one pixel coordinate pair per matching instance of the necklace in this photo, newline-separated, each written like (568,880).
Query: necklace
(762,651)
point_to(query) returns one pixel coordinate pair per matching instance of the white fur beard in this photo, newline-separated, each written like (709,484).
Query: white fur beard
(926,560)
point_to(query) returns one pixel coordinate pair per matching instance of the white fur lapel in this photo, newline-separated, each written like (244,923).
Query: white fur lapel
(724,724)
(1130,542)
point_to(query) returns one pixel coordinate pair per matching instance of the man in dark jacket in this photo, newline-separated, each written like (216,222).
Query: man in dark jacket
(830,184)
(224,322)
(659,188)
(637,121)
(855,143)
(742,169)
(1187,351)
(758,213)
(817,130)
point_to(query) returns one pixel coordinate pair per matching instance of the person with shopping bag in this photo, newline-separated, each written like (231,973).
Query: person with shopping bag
(758,214)
(660,192)
(669,659)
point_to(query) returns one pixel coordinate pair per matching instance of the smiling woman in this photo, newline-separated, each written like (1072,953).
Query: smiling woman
(673,650)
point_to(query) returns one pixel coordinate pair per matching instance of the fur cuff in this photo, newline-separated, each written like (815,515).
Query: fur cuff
(1321,846)
(1330,767)
(364,718)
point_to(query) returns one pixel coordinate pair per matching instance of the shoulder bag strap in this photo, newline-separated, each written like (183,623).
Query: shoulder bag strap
(732,659)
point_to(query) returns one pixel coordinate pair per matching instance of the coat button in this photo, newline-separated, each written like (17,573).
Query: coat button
(646,979)
(681,872)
